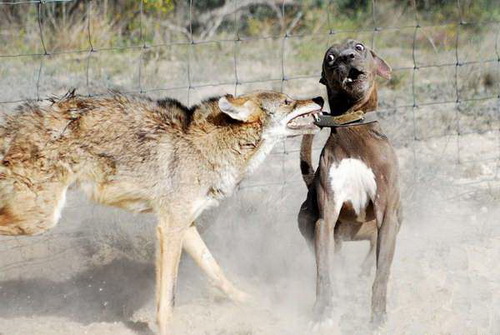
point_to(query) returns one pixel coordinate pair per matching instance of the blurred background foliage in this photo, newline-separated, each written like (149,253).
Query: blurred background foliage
(152,22)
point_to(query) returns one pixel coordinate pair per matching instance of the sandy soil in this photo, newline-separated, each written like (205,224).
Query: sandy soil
(93,274)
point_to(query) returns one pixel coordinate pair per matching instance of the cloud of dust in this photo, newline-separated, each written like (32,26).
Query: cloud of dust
(94,273)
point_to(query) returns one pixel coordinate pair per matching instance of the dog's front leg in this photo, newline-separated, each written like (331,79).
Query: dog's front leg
(324,253)
(386,243)
(324,250)
(170,237)
(198,250)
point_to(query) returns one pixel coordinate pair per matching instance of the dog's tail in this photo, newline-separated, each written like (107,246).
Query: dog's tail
(306,166)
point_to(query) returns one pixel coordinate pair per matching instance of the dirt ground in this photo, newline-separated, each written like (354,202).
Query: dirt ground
(94,274)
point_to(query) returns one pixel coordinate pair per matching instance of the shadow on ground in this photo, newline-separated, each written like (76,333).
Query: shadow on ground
(106,293)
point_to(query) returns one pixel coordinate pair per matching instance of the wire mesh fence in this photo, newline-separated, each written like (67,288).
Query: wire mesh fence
(445,90)
(441,108)
(445,70)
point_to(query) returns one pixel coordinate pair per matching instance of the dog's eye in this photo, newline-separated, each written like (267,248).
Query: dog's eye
(360,47)
(330,58)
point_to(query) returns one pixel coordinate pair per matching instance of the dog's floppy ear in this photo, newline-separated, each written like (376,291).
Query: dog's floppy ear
(322,80)
(237,108)
(383,69)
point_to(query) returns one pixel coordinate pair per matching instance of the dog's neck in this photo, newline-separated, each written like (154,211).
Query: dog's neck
(341,103)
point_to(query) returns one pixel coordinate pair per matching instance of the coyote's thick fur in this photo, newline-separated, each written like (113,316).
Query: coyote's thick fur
(144,156)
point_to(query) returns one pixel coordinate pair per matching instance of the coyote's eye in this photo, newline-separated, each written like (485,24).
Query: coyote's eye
(359,47)
(288,102)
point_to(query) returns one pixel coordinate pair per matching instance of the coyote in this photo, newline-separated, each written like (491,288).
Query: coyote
(144,156)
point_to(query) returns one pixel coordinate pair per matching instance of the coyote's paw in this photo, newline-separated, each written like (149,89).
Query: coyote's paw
(238,296)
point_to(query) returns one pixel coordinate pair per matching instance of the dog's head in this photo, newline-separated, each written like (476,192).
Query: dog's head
(277,114)
(350,69)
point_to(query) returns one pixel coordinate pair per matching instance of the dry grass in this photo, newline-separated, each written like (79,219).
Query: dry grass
(94,272)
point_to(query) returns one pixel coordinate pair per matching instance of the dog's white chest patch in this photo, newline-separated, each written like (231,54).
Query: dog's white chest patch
(353,181)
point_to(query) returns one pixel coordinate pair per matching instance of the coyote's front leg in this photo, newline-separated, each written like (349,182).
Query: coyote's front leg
(198,250)
(170,237)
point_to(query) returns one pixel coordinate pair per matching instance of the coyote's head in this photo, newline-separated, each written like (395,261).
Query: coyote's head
(278,114)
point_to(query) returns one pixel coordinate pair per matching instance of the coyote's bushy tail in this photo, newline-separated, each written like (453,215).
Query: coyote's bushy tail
(306,166)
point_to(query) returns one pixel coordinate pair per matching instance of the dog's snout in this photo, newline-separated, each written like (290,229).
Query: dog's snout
(319,100)
(348,54)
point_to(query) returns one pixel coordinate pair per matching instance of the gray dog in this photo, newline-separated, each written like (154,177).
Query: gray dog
(354,193)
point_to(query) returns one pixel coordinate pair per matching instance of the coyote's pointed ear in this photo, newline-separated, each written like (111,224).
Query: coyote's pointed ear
(322,80)
(383,69)
(237,108)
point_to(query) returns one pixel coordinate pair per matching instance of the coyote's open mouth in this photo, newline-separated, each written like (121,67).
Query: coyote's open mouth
(305,120)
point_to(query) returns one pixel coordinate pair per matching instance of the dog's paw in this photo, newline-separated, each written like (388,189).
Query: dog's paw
(378,320)
(328,326)
(324,320)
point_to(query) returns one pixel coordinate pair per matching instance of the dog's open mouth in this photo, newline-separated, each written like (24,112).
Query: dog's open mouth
(353,76)
(306,120)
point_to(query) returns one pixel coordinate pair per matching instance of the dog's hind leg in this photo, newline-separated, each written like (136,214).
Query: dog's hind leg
(386,244)
(197,249)
(367,264)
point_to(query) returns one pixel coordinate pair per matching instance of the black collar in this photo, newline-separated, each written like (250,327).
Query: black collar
(356,118)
